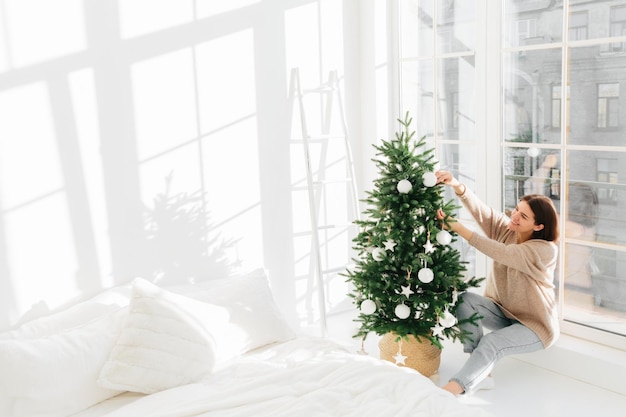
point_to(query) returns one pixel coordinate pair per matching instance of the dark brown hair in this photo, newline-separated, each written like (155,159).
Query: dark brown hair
(545,213)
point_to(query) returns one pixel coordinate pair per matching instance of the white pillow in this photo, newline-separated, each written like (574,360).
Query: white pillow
(103,304)
(172,339)
(165,342)
(255,319)
(55,375)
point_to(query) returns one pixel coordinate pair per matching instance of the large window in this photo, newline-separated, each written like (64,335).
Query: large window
(551,75)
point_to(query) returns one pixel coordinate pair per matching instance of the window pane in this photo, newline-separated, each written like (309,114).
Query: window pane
(417,96)
(528,79)
(457,98)
(531,23)
(604,172)
(410,88)
(530,171)
(460,161)
(595,97)
(417,17)
(456,29)
(595,287)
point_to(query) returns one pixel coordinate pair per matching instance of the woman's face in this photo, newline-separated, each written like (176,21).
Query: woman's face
(523,219)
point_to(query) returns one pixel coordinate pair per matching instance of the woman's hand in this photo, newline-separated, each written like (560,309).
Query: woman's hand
(453,225)
(442,217)
(446,177)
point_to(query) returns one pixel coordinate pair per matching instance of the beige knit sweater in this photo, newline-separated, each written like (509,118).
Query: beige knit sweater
(521,282)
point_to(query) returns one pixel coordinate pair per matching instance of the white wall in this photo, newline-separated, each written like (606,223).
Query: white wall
(108,106)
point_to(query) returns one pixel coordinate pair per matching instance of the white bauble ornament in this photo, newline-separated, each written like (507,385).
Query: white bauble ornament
(447,320)
(404,186)
(429,179)
(378,254)
(443,237)
(425,275)
(368,307)
(402,311)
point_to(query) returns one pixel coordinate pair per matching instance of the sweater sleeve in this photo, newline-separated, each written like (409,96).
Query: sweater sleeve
(535,258)
(491,222)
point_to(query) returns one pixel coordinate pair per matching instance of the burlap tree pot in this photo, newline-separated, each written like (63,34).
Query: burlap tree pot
(420,355)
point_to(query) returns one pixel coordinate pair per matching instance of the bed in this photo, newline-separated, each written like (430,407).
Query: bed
(214,348)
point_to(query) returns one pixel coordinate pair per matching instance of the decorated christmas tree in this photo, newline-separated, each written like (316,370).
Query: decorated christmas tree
(407,275)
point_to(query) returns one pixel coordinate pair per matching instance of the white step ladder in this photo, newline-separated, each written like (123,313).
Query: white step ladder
(329,169)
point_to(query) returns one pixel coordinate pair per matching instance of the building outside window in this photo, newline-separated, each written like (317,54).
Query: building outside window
(607,173)
(608,105)
(618,26)
(523,30)
(578,26)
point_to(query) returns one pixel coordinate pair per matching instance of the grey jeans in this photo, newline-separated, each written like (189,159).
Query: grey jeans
(507,337)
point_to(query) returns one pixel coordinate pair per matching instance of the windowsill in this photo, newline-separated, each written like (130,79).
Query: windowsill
(583,360)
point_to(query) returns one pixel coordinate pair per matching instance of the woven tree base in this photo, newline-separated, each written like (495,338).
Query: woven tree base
(422,356)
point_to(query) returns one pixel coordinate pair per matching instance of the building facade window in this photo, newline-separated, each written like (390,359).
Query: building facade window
(523,30)
(607,172)
(578,26)
(618,26)
(608,105)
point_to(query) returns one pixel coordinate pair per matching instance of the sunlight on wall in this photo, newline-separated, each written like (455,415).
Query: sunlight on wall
(232,182)
(83,92)
(227,103)
(41,251)
(38,235)
(171,132)
(164,102)
(178,98)
(226,88)
(29,159)
(140,17)
(302,42)
(207,8)
(55,30)
(177,171)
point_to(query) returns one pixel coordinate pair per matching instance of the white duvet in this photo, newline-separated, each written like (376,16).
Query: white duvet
(303,377)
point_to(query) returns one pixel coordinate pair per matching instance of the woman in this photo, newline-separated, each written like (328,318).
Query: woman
(519,305)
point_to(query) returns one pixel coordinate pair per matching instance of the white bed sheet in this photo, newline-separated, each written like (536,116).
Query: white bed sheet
(302,377)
